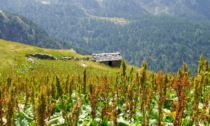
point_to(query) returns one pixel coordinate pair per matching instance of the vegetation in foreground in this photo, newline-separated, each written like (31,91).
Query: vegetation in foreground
(65,93)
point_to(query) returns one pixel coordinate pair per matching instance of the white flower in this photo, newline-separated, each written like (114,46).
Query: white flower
(84,65)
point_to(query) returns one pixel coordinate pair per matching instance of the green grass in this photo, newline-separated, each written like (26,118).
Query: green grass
(13,59)
(121,21)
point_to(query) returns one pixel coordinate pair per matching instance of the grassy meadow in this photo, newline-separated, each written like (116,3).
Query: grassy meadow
(13,59)
(57,92)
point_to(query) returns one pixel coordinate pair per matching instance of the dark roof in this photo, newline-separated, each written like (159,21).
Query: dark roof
(103,57)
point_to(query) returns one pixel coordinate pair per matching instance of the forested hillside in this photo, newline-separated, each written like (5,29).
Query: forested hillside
(191,9)
(15,28)
(165,42)
(154,29)
(20,29)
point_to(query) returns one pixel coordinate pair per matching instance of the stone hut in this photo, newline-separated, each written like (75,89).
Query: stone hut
(111,59)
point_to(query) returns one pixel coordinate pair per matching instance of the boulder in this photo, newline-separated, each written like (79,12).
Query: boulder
(76,58)
(43,56)
(32,60)
(92,60)
(67,58)
(85,58)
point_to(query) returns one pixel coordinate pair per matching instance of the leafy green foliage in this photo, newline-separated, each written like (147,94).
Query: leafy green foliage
(112,100)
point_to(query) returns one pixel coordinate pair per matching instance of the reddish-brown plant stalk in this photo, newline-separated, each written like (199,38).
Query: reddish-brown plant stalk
(66,84)
(41,108)
(1,107)
(76,111)
(129,99)
(71,91)
(104,96)
(93,102)
(205,114)
(148,106)
(180,87)
(196,99)
(160,79)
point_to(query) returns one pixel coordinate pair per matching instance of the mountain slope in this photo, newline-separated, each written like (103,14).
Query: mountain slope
(136,28)
(192,9)
(20,29)
(16,28)
(165,42)
(13,57)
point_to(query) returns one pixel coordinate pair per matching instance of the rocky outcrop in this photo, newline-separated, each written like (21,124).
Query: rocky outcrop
(32,60)
(67,58)
(85,58)
(76,58)
(42,56)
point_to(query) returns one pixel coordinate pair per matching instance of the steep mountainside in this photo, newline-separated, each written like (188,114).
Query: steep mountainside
(137,28)
(19,29)
(16,28)
(165,42)
(192,9)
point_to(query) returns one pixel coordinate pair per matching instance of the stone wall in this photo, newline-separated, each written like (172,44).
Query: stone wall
(116,63)
(112,63)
